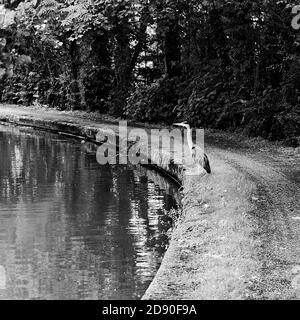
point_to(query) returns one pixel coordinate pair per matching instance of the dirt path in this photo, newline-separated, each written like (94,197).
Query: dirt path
(239,237)
(275,218)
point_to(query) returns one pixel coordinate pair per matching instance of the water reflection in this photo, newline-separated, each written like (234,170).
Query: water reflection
(71,229)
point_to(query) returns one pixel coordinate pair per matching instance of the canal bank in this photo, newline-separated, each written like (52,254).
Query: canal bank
(239,233)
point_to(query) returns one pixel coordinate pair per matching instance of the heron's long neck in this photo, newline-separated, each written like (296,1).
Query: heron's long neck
(189,137)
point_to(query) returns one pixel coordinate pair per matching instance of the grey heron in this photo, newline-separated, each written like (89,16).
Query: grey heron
(194,149)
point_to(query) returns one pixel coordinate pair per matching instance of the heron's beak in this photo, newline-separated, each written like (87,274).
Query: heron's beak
(177,124)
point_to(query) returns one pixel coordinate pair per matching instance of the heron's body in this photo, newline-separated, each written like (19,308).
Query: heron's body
(197,153)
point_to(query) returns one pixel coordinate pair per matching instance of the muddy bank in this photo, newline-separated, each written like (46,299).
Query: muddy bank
(239,234)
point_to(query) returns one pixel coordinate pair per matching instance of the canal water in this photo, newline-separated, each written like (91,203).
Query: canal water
(72,229)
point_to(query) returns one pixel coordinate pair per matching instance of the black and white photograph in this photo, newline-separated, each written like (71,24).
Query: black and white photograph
(149,153)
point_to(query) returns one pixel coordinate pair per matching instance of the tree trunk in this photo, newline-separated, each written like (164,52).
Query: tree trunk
(172,49)
(75,69)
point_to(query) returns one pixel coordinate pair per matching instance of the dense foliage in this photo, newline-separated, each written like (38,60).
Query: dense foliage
(225,64)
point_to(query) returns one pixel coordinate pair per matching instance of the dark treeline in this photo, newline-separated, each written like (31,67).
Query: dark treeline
(226,64)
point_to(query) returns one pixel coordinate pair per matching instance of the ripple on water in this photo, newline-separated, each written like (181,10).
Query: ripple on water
(71,229)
